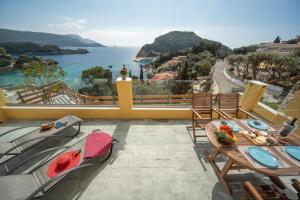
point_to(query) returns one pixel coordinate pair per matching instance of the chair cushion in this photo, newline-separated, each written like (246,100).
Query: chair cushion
(97,143)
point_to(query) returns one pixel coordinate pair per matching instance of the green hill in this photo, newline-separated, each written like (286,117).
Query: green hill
(36,49)
(178,41)
(46,39)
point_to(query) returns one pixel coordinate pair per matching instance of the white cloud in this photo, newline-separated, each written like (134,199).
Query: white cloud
(70,24)
(124,36)
(233,36)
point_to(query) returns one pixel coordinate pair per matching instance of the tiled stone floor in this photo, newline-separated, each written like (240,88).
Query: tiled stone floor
(153,160)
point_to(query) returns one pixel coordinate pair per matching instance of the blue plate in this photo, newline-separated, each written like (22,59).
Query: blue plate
(257,124)
(233,125)
(293,151)
(263,157)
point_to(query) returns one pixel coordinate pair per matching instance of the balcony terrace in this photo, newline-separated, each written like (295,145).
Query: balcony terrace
(155,157)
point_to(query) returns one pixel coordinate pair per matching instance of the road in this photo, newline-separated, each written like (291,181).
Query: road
(223,83)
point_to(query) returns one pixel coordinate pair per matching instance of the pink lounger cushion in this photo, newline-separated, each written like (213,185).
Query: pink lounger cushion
(97,144)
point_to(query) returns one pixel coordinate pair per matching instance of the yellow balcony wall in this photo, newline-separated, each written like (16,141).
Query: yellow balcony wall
(125,110)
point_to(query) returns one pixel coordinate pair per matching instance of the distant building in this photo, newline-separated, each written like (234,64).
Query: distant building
(161,78)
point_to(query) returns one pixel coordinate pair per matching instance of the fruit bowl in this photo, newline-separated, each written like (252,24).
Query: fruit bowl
(225,138)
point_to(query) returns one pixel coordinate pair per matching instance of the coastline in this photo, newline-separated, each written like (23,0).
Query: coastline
(7,68)
(74,64)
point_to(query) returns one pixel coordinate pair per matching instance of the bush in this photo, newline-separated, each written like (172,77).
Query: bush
(272,105)
(236,90)
(151,89)
(4,62)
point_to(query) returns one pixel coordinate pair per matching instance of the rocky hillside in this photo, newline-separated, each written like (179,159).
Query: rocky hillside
(46,39)
(176,41)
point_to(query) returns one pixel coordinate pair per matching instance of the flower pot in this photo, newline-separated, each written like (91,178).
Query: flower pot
(123,77)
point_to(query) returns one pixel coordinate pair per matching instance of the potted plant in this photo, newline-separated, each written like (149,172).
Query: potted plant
(123,72)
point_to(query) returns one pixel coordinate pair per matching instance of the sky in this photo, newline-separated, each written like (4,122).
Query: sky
(235,23)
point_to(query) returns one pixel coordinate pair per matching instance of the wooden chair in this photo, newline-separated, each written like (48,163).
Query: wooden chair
(262,192)
(202,112)
(296,185)
(229,105)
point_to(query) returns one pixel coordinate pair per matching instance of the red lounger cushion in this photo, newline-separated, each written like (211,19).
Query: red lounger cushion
(97,143)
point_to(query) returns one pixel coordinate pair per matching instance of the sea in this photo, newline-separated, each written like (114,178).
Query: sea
(74,64)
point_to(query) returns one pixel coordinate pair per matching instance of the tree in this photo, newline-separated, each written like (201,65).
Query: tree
(277,39)
(90,75)
(41,72)
(203,68)
(245,50)
(141,74)
(296,53)
(236,60)
(98,81)
(183,72)
(2,51)
(294,40)
(255,59)
(130,73)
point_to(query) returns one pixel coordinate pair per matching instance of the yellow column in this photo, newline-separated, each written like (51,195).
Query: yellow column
(252,94)
(3,101)
(293,108)
(124,88)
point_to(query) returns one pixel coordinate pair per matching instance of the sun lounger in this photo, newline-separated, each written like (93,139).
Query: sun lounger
(9,149)
(44,177)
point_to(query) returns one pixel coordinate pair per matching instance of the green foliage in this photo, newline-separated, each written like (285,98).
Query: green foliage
(231,69)
(99,89)
(203,67)
(2,51)
(216,48)
(177,43)
(5,62)
(31,48)
(89,76)
(5,59)
(151,89)
(195,65)
(294,40)
(245,50)
(181,87)
(168,56)
(130,75)
(235,60)
(141,74)
(272,105)
(276,69)
(296,53)
(207,85)
(99,82)
(236,90)
(277,39)
(41,72)
(45,38)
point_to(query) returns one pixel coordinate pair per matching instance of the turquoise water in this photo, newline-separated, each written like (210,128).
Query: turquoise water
(74,64)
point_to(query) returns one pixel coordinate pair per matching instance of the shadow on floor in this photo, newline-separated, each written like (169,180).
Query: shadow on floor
(52,142)
(73,186)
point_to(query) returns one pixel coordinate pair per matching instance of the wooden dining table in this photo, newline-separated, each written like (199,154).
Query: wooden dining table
(236,160)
